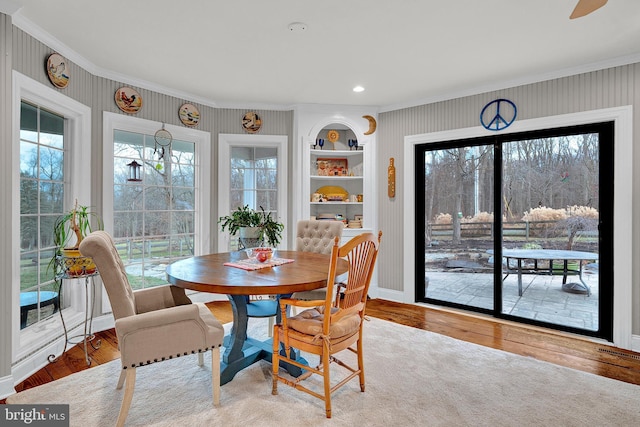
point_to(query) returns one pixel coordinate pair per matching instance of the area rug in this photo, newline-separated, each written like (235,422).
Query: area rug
(413,378)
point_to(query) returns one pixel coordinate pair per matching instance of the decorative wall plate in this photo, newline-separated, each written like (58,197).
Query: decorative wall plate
(128,100)
(189,115)
(333,135)
(251,122)
(57,70)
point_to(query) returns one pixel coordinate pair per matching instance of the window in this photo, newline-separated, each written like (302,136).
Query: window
(254,180)
(252,171)
(52,146)
(42,190)
(164,216)
(153,219)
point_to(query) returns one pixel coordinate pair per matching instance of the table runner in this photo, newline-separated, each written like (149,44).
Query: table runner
(252,264)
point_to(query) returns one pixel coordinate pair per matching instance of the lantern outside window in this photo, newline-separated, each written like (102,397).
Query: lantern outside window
(134,171)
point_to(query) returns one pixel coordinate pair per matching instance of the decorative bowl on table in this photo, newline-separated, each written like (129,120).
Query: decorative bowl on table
(260,254)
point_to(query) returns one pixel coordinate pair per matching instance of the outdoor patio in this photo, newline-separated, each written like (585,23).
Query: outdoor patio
(542,297)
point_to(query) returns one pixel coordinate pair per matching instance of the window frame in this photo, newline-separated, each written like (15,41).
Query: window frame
(225,142)
(77,168)
(623,196)
(202,141)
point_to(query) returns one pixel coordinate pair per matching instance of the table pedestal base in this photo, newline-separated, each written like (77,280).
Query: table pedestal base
(242,351)
(253,351)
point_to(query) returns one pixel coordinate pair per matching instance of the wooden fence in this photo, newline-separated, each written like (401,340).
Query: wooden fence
(526,229)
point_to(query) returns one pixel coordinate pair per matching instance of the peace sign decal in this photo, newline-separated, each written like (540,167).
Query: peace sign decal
(498,114)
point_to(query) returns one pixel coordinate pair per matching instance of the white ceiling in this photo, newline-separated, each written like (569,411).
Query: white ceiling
(404,52)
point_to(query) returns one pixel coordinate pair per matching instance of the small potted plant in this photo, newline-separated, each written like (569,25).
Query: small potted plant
(254,228)
(68,231)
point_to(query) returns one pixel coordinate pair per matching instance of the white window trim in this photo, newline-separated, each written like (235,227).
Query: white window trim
(76,176)
(202,139)
(225,142)
(622,204)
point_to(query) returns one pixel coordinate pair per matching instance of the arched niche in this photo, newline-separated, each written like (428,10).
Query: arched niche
(345,133)
(346,128)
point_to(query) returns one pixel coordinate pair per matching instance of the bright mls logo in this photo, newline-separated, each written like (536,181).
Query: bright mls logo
(35,415)
(498,114)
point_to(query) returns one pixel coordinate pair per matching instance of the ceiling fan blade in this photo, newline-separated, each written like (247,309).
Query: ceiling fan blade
(585,7)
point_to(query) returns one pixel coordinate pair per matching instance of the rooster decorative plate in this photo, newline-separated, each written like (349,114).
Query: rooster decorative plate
(128,100)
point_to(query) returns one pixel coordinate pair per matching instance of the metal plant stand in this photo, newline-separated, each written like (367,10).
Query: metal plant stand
(78,268)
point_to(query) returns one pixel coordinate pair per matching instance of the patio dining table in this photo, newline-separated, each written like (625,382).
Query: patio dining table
(519,256)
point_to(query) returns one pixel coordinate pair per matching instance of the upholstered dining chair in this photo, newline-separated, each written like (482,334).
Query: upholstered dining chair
(316,236)
(311,236)
(329,326)
(152,324)
(260,306)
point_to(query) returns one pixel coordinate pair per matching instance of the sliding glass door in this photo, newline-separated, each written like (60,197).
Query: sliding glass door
(519,226)
(458,206)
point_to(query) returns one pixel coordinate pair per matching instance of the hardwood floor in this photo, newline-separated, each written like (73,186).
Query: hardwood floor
(562,349)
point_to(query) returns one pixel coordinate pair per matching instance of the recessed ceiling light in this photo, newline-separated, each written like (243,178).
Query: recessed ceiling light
(358,89)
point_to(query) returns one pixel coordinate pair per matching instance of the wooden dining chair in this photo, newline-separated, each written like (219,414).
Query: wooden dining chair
(152,324)
(311,236)
(329,326)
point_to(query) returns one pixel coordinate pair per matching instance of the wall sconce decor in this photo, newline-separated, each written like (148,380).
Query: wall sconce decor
(134,171)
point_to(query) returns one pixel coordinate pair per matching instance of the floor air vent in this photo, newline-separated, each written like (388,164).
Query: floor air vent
(620,354)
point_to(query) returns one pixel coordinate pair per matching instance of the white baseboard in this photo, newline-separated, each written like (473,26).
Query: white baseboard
(6,386)
(635,343)
(388,294)
(34,362)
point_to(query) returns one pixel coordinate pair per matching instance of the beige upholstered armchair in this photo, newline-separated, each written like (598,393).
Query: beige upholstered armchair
(318,237)
(152,324)
(329,326)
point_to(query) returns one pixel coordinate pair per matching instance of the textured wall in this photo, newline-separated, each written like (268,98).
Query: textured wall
(595,90)
(6,161)
(98,93)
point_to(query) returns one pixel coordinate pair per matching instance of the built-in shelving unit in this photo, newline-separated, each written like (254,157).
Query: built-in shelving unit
(349,179)
(335,181)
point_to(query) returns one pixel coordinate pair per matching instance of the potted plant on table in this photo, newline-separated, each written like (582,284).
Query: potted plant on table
(254,228)
(68,231)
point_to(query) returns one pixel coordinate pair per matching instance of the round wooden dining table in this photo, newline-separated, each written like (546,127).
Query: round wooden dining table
(231,273)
